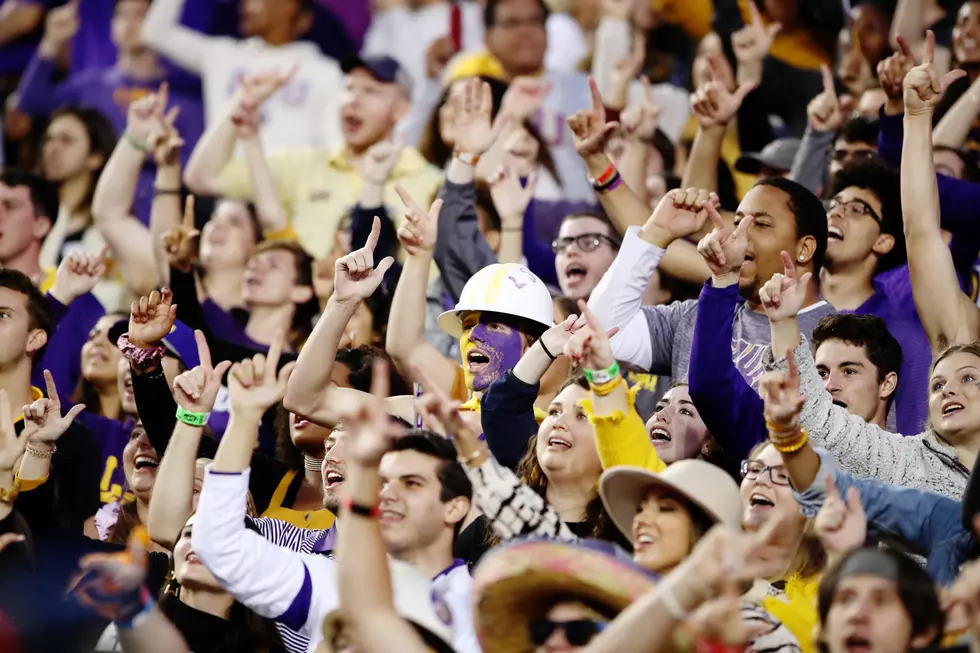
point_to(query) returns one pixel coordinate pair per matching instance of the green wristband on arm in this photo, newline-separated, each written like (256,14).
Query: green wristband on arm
(193,419)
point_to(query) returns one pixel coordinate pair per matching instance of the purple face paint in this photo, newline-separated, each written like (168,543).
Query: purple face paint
(501,345)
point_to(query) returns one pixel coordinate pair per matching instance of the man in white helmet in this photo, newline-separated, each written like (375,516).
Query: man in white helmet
(502,312)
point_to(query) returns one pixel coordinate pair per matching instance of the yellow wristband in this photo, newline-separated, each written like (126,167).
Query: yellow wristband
(606,388)
(793,446)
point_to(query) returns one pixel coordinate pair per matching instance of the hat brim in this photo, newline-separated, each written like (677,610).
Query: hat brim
(623,489)
(750,164)
(354,62)
(517,582)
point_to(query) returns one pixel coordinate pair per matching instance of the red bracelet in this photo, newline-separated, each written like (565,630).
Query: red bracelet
(372,512)
(604,178)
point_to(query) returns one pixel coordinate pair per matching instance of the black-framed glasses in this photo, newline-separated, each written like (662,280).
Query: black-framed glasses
(842,155)
(585,242)
(753,469)
(855,208)
(578,632)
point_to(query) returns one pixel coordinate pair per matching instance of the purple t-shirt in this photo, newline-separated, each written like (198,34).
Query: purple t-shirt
(110,91)
(112,436)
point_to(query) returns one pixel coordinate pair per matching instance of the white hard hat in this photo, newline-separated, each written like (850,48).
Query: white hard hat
(505,288)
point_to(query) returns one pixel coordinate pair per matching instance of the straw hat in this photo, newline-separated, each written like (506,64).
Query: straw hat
(708,487)
(415,601)
(517,582)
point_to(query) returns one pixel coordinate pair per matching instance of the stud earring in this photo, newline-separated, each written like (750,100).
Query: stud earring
(801,259)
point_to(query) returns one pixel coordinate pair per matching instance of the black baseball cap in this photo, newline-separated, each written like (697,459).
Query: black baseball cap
(383,69)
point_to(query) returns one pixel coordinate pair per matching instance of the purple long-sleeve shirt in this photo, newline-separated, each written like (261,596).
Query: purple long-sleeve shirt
(110,91)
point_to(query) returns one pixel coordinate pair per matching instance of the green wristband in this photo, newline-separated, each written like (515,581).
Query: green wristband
(598,377)
(135,143)
(194,419)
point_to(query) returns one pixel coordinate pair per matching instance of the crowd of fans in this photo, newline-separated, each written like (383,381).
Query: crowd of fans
(489,326)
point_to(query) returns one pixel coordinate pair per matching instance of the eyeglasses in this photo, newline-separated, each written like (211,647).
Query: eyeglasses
(509,24)
(854,209)
(843,156)
(753,469)
(578,632)
(585,242)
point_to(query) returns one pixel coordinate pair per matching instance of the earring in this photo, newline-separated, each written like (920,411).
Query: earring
(801,259)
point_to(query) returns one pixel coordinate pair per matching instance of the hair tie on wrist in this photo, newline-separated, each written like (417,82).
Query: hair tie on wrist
(545,349)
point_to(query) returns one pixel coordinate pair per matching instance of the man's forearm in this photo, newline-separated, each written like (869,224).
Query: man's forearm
(621,204)
(701,170)
(409,304)
(311,376)
(238,443)
(213,152)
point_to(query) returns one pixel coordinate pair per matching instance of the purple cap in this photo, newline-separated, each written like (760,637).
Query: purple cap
(383,69)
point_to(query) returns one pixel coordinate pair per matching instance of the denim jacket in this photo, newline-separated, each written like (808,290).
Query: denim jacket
(929,523)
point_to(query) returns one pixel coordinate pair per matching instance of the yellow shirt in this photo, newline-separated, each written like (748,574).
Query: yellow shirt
(47,281)
(797,609)
(314,519)
(623,439)
(318,187)
(795,47)
(693,16)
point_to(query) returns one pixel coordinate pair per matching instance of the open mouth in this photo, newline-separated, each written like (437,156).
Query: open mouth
(575,274)
(390,516)
(333,479)
(834,233)
(192,559)
(352,123)
(951,407)
(760,500)
(838,402)
(299,423)
(558,442)
(145,462)
(477,360)
(659,434)
(645,539)
(856,644)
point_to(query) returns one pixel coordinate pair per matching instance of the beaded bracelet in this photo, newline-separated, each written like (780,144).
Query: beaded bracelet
(793,446)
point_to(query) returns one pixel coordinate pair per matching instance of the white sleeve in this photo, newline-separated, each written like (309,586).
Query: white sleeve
(272,581)
(566,44)
(163,32)
(612,43)
(617,298)
(380,38)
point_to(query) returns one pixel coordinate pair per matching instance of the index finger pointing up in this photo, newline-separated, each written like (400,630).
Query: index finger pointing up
(51,387)
(597,104)
(930,50)
(903,47)
(372,240)
(407,200)
(275,351)
(755,16)
(789,269)
(203,351)
(828,81)
(379,378)
(189,212)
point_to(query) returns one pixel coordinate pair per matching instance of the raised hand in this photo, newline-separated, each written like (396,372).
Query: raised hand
(712,103)
(472,111)
(720,619)
(164,140)
(370,431)
(923,87)
(181,242)
(60,26)
(112,583)
(893,69)
(626,69)
(245,115)
(77,274)
(783,296)
(588,345)
(724,248)
(152,318)
(841,526)
(145,115)
(590,131)
(420,228)
(11,446)
(523,98)
(509,197)
(253,384)
(262,85)
(195,390)
(355,277)
(437,408)
(43,421)
(781,393)
(380,160)
(640,121)
(678,215)
(826,112)
(753,42)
